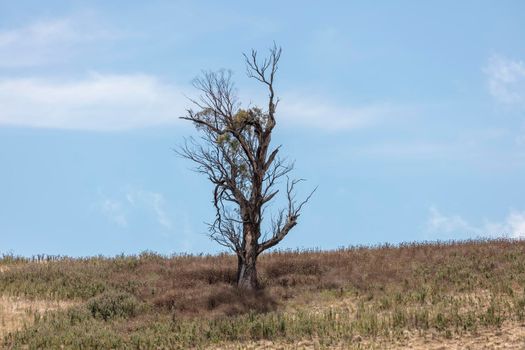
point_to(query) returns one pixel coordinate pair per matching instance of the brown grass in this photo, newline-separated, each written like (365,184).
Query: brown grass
(448,266)
(18,312)
(373,293)
(511,336)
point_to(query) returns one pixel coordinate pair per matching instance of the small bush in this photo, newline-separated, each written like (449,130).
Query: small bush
(113,305)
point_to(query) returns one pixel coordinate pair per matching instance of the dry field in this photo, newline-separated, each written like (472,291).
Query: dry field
(508,336)
(454,295)
(15,312)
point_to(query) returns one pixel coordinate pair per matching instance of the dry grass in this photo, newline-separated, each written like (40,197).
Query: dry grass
(16,312)
(511,336)
(370,296)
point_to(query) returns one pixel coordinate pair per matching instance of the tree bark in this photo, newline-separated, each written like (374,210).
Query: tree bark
(247,275)
(247,271)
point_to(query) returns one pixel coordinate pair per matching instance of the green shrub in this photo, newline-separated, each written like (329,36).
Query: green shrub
(111,305)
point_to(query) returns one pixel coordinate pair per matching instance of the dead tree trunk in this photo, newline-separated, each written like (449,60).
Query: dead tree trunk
(247,274)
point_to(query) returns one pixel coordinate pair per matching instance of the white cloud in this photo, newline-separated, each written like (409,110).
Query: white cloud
(98,102)
(133,203)
(114,211)
(437,222)
(315,112)
(506,80)
(119,102)
(152,201)
(513,226)
(48,41)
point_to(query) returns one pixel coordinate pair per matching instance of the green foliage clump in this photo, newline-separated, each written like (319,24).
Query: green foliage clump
(112,305)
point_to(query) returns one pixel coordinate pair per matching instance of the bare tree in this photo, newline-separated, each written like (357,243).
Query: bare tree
(234,152)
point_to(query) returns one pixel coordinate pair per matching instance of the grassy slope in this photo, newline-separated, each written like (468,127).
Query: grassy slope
(357,295)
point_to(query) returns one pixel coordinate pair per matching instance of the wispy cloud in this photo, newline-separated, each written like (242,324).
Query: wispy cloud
(116,102)
(119,102)
(114,211)
(506,80)
(122,209)
(482,146)
(48,41)
(98,102)
(513,225)
(450,226)
(315,112)
(152,201)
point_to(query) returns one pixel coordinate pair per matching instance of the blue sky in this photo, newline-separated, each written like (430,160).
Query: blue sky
(409,115)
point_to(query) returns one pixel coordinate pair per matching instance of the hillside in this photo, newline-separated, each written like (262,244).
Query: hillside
(428,295)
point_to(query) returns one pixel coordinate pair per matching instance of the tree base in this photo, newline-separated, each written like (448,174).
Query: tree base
(247,276)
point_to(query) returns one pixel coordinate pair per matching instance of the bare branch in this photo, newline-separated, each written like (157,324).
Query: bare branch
(282,225)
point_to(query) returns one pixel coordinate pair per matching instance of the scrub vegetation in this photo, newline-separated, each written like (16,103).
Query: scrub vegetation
(362,297)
